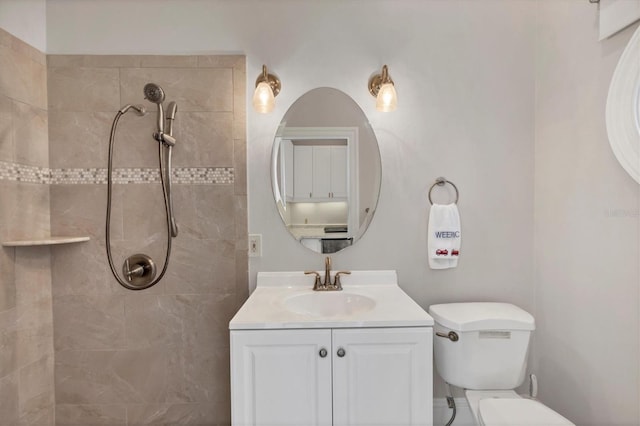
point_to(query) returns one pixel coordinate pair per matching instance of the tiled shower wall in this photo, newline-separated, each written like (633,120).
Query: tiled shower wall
(26,329)
(157,356)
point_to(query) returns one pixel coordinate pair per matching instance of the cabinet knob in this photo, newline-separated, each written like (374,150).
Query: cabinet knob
(341,352)
(322,353)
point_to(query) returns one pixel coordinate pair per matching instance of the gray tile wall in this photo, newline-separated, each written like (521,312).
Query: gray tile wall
(122,358)
(26,325)
(158,356)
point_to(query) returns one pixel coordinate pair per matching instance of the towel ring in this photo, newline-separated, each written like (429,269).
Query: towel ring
(440,182)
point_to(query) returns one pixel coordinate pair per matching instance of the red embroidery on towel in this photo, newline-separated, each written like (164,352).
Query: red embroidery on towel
(442,252)
(455,253)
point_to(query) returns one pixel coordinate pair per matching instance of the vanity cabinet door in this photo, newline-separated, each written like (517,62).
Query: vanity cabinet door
(382,376)
(279,377)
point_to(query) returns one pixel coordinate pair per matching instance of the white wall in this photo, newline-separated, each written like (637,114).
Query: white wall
(464,71)
(464,74)
(586,227)
(27,20)
(470,102)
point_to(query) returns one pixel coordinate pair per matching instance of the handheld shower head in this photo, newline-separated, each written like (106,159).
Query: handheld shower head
(153,93)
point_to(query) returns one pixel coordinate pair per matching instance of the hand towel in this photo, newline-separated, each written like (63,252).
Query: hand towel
(443,241)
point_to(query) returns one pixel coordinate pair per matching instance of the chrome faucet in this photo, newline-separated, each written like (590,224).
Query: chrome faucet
(327,285)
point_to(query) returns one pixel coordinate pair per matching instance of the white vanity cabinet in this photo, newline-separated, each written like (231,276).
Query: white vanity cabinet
(340,376)
(357,357)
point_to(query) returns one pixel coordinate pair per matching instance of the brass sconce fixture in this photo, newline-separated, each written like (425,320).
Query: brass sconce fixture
(267,88)
(382,88)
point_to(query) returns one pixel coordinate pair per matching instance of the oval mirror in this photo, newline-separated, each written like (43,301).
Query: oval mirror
(325,170)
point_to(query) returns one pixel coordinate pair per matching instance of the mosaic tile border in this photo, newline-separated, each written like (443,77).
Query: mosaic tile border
(181,175)
(22,173)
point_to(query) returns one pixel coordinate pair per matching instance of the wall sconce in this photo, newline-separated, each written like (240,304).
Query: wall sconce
(382,88)
(267,88)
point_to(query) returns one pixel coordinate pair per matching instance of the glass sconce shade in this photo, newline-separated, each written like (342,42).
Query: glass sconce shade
(387,99)
(267,88)
(263,99)
(381,87)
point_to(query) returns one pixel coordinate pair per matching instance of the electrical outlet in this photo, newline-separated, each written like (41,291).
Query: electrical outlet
(255,245)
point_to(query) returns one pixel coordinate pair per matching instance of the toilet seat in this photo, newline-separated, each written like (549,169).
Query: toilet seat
(518,412)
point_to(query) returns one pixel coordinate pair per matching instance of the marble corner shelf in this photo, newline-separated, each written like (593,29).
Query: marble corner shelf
(44,241)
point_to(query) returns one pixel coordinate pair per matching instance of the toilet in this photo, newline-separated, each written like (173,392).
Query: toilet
(483,348)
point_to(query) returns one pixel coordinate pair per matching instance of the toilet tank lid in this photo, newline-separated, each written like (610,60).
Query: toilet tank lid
(477,316)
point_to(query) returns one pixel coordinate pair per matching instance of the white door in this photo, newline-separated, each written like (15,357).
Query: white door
(382,376)
(280,378)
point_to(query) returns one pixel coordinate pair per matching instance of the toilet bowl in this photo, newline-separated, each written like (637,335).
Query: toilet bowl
(483,348)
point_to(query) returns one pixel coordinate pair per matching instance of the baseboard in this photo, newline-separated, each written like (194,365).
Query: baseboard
(442,412)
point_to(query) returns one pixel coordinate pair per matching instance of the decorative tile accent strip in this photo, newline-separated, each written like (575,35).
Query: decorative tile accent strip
(22,173)
(77,176)
(204,175)
(184,175)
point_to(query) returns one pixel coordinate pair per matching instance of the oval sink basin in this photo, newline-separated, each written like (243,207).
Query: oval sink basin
(329,304)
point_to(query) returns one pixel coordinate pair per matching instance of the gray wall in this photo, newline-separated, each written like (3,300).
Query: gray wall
(587,245)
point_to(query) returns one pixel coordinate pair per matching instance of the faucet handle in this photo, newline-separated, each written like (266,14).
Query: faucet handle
(337,284)
(317,284)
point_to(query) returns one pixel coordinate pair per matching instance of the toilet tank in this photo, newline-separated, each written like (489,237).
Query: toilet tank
(492,347)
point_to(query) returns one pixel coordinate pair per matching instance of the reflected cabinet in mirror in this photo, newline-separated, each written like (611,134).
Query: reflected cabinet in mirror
(325,170)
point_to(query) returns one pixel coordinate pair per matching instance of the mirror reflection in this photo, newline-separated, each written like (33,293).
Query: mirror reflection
(325,170)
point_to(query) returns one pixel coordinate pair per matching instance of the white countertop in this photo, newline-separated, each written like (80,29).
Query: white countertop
(267,308)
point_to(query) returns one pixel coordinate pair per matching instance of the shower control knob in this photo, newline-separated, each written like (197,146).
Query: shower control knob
(341,352)
(139,270)
(323,353)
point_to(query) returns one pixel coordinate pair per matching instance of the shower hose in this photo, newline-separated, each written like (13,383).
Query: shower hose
(165,170)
